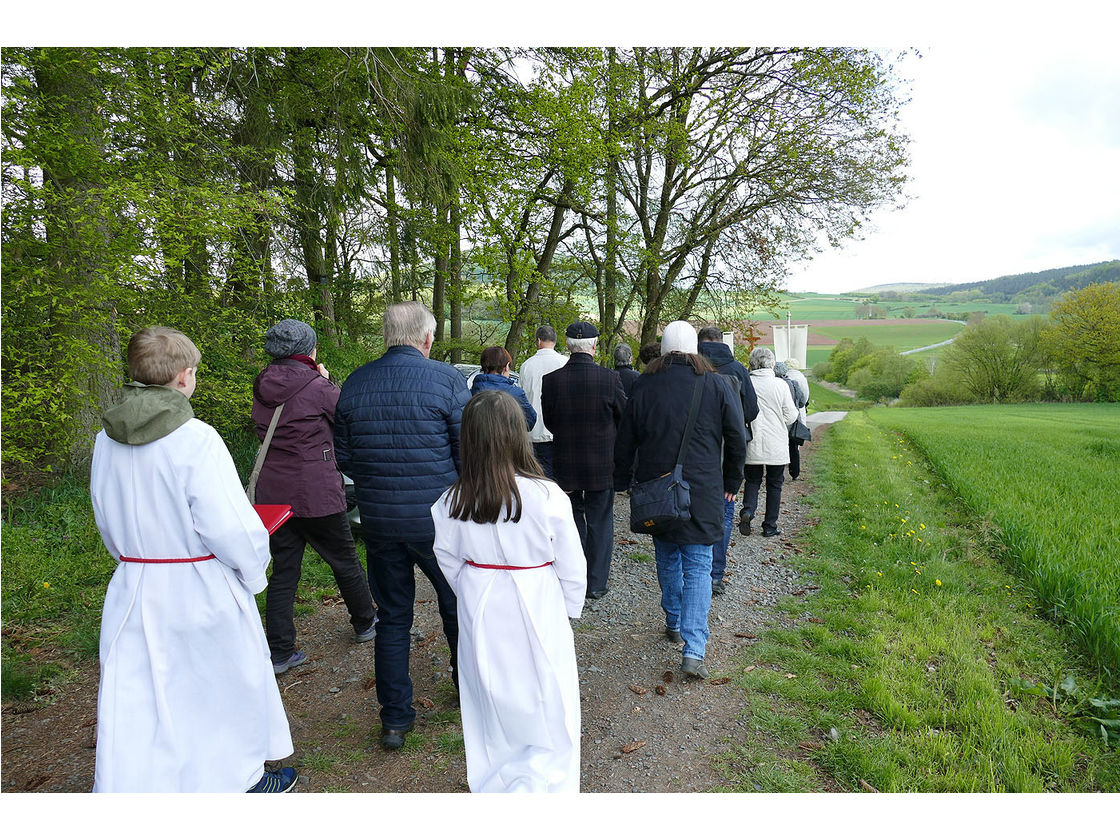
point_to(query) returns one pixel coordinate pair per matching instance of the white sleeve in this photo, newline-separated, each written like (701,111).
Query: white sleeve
(446,544)
(222,515)
(567,551)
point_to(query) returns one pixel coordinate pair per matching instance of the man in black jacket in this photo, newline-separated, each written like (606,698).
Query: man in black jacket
(710,345)
(582,405)
(397,435)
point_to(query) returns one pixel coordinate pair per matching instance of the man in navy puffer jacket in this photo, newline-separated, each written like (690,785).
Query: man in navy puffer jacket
(396,435)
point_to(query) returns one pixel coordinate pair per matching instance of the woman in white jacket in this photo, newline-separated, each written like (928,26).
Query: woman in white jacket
(768,449)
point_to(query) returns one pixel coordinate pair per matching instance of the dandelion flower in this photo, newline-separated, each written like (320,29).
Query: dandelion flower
(880,574)
(938,582)
(46,585)
(915,591)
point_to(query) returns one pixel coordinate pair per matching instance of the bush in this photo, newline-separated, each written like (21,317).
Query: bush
(940,389)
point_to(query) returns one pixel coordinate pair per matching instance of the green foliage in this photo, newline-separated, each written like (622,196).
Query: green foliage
(1100,715)
(997,359)
(1058,530)
(1082,341)
(917,635)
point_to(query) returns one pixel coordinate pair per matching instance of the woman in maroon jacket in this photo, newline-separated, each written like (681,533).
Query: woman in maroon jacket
(299,470)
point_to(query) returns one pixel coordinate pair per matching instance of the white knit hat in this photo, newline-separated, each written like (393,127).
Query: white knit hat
(678,337)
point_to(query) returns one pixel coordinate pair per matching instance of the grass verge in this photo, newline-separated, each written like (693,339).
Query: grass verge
(904,676)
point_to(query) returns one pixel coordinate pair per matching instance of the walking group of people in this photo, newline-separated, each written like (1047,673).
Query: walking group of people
(502,495)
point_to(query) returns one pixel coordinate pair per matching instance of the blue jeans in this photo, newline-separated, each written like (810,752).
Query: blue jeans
(685,575)
(719,550)
(392,578)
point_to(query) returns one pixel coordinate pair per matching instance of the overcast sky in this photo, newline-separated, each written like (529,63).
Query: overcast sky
(1014,114)
(1015,168)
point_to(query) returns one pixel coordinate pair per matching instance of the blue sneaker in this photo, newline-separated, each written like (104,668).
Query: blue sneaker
(297,658)
(367,635)
(276,781)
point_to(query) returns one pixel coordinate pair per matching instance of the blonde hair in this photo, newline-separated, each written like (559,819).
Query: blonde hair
(408,323)
(156,355)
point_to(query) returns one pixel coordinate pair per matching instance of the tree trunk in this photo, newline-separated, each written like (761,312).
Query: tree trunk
(84,349)
(455,279)
(394,241)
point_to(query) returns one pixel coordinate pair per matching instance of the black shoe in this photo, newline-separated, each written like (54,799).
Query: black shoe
(393,739)
(745,526)
(673,636)
(596,594)
(771,532)
(718,587)
(694,668)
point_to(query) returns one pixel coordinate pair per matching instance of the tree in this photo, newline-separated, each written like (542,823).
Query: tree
(775,147)
(997,359)
(1082,339)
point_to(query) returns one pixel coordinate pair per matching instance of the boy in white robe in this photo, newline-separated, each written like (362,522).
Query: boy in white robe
(508,546)
(187,701)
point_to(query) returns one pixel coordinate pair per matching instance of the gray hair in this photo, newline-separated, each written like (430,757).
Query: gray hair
(582,345)
(623,355)
(762,357)
(408,323)
(793,364)
(780,369)
(546,334)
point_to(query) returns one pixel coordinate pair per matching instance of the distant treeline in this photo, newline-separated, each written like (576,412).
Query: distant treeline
(1053,281)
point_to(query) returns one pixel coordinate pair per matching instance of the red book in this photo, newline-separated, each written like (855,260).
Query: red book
(273,516)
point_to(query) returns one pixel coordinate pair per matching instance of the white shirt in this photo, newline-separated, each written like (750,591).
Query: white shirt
(533,370)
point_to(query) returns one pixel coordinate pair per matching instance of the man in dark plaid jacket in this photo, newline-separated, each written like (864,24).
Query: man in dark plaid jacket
(582,405)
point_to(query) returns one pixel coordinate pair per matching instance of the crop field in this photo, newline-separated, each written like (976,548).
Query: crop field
(1045,476)
(902,336)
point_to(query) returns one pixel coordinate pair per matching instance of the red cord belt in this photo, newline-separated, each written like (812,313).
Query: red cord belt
(167,560)
(506,568)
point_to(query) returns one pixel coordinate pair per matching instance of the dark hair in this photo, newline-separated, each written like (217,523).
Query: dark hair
(546,333)
(700,364)
(710,334)
(494,359)
(494,449)
(649,352)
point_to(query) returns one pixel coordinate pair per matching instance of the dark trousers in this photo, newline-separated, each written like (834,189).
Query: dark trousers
(594,514)
(331,538)
(391,575)
(794,458)
(775,477)
(543,453)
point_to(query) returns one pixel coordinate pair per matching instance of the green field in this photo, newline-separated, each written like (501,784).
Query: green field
(899,336)
(1045,477)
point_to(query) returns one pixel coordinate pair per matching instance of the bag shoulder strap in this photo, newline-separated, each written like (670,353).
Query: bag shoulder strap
(693,410)
(251,489)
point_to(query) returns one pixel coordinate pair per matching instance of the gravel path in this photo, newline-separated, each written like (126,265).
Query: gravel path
(644,727)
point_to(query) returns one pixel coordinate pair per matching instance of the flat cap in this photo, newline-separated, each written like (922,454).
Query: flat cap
(581,329)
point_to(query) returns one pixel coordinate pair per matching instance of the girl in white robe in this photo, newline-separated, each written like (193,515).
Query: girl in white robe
(508,546)
(188,701)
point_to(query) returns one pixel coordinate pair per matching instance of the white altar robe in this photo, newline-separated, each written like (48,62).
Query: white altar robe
(518,682)
(188,700)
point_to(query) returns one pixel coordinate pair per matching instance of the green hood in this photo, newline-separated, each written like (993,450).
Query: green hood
(146,413)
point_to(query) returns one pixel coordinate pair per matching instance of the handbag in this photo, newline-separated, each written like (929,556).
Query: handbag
(251,487)
(799,431)
(661,502)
